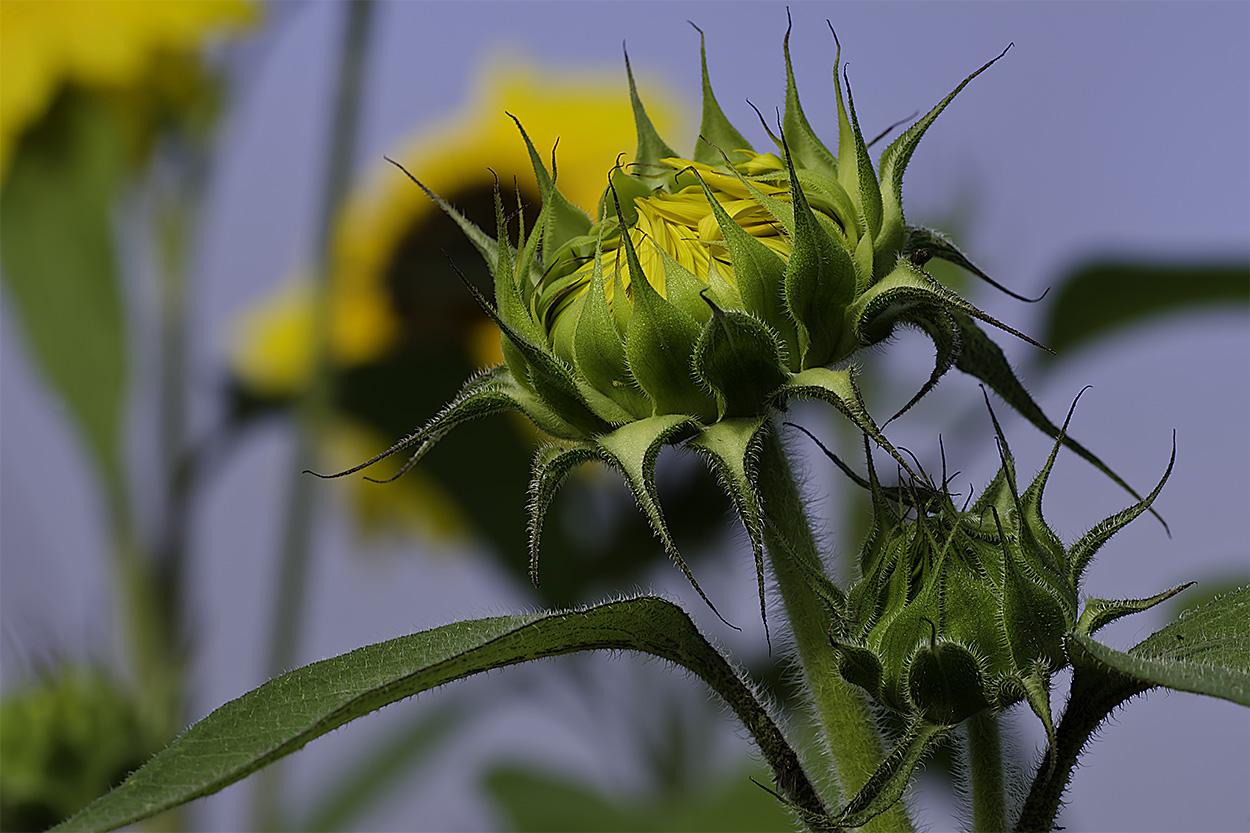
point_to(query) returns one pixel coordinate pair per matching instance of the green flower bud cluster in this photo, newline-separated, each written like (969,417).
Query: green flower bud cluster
(964,610)
(710,292)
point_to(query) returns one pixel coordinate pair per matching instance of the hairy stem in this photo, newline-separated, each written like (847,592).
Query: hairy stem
(842,711)
(1094,695)
(985,772)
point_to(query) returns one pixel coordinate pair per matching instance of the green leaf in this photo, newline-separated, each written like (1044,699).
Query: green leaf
(1102,298)
(60,269)
(286,713)
(1206,652)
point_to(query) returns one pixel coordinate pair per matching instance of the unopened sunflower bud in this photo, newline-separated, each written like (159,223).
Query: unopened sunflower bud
(961,611)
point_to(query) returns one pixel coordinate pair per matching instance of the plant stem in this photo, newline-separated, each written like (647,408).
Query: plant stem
(985,771)
(842,711)
(1095,693)
(315,406)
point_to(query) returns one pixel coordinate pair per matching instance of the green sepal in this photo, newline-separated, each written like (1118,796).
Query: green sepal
(600,352)
(940,247)
(942,330)
(1034,619)
(945,683)
(632,449)
(819,281)
(490,392)
(1036,685)
(759,271)
(859,666)
(1101,612)
(894,159)
(982,358)
(659,344)
(552,463)
(508,298)
(551,378)
(562,221)
(795,129)
(823,188)
(738,357)
(627,188)
(893,776)
(716,134)
(887,303)
(1082,552)
(683,289)
(857,176)
(651,148)
(481,241)
(837,388)
(731,447)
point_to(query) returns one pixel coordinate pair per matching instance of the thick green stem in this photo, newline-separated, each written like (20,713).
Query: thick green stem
(985,772)
(842,711)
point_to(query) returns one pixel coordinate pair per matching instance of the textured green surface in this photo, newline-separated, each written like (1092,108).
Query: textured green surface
(284,714)
(1205,652)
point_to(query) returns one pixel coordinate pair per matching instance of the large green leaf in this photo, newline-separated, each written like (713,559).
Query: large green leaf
(1205,652)
(1101,298)
(284,714)
(60,270)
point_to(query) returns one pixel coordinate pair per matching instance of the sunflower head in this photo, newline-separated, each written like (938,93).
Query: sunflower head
(963,610)
(709,291)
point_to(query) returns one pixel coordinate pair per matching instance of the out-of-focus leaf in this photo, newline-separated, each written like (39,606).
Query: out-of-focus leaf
(541,801)
(283,715)
(59,266)
(1101,298)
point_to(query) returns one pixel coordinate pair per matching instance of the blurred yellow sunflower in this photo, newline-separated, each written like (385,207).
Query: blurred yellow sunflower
(112,47)
(392,291)
(382,221)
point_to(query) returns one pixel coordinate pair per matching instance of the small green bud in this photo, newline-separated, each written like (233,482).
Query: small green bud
(963,610)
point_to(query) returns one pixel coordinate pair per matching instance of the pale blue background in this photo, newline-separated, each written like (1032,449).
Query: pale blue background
(1110,128)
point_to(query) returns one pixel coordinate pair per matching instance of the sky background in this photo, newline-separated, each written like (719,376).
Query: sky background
(1109,129)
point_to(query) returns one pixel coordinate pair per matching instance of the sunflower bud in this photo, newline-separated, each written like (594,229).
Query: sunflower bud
(710,291)
(960,611)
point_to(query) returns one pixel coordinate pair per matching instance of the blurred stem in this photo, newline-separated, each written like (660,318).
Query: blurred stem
(985,773)
(313,410)
(842,711)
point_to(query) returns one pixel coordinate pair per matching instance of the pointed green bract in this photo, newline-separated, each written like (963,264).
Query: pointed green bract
(716,134)
(964,611)
(894,162)
(552,463)
(740,360)
(651,148)
(731,447)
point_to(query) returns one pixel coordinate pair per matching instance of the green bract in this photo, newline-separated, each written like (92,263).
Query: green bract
(959,611)
(760,273)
